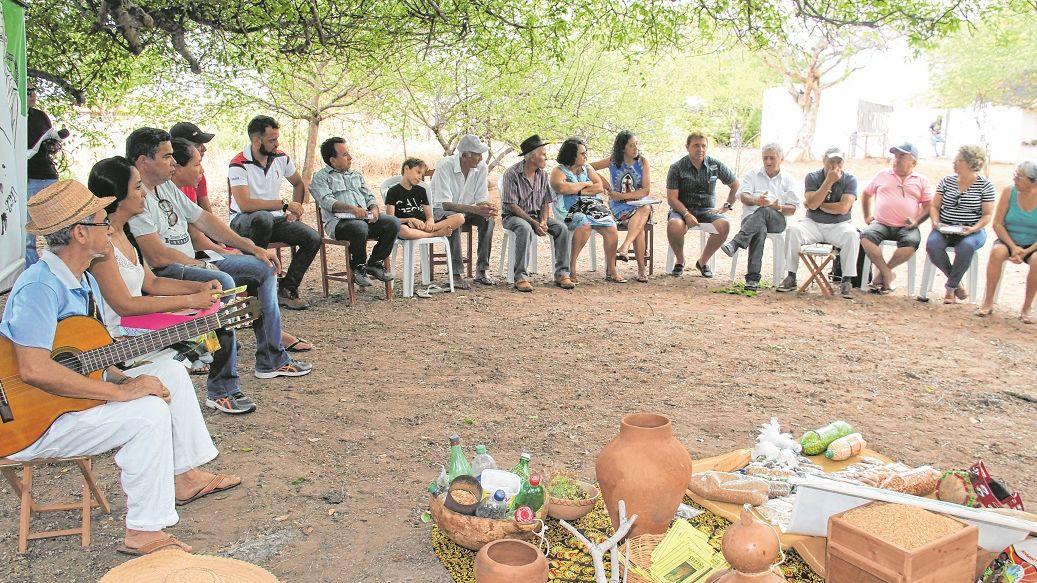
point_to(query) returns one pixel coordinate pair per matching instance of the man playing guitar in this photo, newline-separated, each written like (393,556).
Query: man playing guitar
(156,424)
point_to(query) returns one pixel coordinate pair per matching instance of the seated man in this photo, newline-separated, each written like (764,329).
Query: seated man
(459,185)
(690,189)
(149,413)
(828,197)
(338,189)
(901,198)
(161,234)
(526,198)
(259,213)
(767,196)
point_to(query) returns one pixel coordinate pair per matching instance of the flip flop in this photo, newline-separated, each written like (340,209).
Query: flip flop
(622,257)
(292,347)
(210,488)
(485,280)
(200,371)
(156,545)
(984,312)
(615,279)
(1026,319)
(642,279)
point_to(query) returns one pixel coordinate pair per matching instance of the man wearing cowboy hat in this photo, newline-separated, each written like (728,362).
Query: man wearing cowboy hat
(155,424)
(526,198)
(459,185)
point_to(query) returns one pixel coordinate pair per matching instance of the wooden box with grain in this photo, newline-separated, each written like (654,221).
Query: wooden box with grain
(928,547)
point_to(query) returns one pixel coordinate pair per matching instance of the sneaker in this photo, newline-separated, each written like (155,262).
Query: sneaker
(678,270)
(360,278)
(704,269)
(294,368)
(846,289)
(378,272)
(752,286)
(290,299)
(788,284)
(235,404)
(729,248)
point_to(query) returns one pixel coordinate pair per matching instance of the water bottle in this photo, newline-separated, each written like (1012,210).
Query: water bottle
(521,469)
(482,461)
(459,465)
(493,506)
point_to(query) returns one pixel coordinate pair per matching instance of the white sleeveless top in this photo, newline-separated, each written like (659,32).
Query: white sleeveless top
(133,276)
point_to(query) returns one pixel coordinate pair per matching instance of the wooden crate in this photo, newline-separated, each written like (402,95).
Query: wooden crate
(855,556)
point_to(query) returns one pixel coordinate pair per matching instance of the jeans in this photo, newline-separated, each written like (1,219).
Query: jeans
(358,231)
(35,185)
(753,235)
(524,235)
(485,227)
(964,248)
(263,228)
(241,270)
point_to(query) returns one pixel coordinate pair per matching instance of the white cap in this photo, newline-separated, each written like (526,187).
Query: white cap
(834,153)
(471,143)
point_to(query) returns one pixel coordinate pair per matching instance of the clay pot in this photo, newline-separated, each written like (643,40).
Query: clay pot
(510,561)
(571,510)
(647,468)
(751,548)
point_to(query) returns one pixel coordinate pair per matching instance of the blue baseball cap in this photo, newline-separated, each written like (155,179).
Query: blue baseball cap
(905,148)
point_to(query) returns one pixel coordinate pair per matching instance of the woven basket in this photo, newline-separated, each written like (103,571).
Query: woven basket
(641,554)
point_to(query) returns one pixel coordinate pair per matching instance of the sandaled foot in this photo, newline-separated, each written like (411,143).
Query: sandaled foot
(961,293)
(616,278)
(622,257)
(164,541)
(300,345)
(642,278)
(217,483)
(983,311)
(485,279)
(949,297)
(1026,318)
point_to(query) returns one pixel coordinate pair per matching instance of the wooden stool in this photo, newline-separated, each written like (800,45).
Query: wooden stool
(92,498)
(810,254)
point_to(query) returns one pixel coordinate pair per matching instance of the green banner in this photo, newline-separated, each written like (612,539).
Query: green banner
(14,29)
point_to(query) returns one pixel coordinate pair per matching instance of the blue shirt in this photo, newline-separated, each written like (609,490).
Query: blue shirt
(44,294)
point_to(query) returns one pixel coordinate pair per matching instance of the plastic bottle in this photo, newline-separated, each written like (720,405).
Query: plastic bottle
(459,465)
(482,461)
(493,506)
(532,494)
(816,442)
(521,469)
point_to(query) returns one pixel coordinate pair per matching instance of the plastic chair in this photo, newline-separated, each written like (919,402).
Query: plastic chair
(506,267)
(649,246)
(866,269)
(777,248)
(929,274)
(671,258)
(425,248)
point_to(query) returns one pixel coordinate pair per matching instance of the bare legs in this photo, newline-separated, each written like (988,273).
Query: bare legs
(884,269)
(636,228)
(444,228)
(995,265)
(186,485)
(677,228)
(610,236)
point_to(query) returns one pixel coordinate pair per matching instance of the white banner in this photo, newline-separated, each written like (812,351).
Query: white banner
(12,158)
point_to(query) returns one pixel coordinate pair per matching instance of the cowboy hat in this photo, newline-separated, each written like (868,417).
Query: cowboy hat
(61,204)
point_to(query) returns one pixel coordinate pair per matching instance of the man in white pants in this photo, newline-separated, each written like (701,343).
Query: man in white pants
(828,198)
(156,424)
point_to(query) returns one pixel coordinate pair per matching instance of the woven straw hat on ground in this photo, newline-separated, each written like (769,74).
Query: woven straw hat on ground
(61,204)
(176,566)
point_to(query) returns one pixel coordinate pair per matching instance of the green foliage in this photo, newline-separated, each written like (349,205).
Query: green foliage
(993,62)
(565,487)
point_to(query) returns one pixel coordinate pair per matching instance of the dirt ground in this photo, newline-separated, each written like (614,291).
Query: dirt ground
(336,463)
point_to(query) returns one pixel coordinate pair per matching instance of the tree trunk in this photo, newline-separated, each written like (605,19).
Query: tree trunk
(310,162)
(809,104)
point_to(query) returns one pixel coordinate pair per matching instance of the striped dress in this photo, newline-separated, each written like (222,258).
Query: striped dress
(963,208)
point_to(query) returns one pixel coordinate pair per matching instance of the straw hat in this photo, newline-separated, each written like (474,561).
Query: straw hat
(176,566)
(61,204)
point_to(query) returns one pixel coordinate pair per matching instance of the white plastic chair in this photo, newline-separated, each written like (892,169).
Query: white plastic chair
(425,245)
(866,270)
(1001,280)
(929,274)
(777,248)
(671,259)
(507,255)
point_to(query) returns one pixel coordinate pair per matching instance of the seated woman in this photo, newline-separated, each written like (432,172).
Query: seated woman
(964,200)
(408,202)
(1015,223)
(629,174)
(579,186)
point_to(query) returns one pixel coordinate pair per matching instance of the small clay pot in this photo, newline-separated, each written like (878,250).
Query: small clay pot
(571,510)
(751,548)
(510,561)
(467,484)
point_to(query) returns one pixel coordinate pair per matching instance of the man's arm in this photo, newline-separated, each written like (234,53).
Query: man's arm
(320,189)
(203,201)
(37,369)
(732,191)
(220,231)
(815,199)
(839,208)
(299,195)
(923,214)
(247,204)
(158,254)
(866,208)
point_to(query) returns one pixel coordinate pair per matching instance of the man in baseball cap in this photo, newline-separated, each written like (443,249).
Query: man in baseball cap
(459,185)
(828,197)
(192,133)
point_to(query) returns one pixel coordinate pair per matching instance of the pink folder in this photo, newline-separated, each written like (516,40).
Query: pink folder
(159,320)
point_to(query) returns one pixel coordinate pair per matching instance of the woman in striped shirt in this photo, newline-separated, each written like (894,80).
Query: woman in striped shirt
(961,210)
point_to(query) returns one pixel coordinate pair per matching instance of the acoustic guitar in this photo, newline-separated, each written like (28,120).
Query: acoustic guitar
(83,344)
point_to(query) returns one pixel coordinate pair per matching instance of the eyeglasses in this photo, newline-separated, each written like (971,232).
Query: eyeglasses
(105,223)
(167,207)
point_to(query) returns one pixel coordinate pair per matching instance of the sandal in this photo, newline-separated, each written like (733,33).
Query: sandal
(642,279)
(615,278)
(485,279)
(984,312)
(1026,318)
(156,545)
(211,488)
(622,257)
(200,371)
(292,347)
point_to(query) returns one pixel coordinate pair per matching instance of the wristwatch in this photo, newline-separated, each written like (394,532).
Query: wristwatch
(728,205)
(284,205)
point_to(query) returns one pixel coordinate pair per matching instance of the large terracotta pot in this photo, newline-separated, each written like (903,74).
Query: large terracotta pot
(510,561)
(647,468)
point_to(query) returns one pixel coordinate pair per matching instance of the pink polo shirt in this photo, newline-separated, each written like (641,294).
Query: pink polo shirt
(896,199)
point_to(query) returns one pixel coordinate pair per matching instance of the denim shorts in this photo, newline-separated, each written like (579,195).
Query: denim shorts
(876,232)
(701,215)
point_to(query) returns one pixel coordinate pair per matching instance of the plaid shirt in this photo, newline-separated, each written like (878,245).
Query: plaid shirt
(530,196)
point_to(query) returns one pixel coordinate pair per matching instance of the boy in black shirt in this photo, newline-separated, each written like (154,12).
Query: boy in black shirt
(409,202)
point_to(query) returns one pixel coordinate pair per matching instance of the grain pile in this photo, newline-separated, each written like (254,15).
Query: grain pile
(904,526)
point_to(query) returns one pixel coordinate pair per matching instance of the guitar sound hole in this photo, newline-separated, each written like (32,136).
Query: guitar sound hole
(69,360)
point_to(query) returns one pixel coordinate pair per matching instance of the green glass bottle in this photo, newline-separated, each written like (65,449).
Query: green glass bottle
(532,494)
(521,469)
(459,465)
